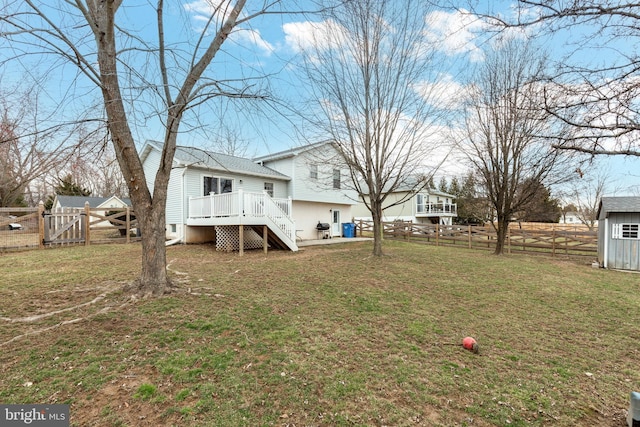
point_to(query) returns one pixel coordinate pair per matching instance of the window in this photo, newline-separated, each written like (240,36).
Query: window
(212,184)
(419,203)
(626,231)
(226,185)
(313,171)
(268,188)
(336,179)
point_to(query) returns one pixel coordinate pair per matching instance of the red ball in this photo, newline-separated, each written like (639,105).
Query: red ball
(470,344)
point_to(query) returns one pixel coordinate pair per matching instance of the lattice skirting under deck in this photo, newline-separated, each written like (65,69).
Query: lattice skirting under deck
(228,238)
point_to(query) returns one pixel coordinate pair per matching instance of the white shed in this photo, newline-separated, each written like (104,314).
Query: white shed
(619,233)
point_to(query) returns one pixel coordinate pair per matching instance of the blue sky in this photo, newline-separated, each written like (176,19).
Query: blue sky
(267,46)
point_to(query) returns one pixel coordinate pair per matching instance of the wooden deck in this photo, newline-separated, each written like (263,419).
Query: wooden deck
(269,217)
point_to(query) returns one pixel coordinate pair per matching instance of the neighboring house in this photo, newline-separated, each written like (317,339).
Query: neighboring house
(570,218)
(573,218)
(428,206)
(100,205)
(619,233)
(228,199)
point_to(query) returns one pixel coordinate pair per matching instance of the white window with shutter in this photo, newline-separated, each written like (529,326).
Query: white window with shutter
(625,231)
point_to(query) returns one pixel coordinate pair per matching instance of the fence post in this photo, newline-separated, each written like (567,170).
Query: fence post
(469,235)
(509,240)
(128,224)
(86,225)
(41,224)
(553,242)
(437,234)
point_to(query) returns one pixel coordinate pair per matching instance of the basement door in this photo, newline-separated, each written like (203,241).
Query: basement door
(335,224)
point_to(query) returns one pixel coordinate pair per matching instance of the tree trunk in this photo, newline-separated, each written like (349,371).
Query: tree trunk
(150,211)
(378,228)
(501,231)
(153,280)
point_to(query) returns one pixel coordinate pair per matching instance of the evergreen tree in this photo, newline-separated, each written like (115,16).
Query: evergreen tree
(442,186)
(541,207)
(66,187)
(454,187)
(430,184)
(472,208)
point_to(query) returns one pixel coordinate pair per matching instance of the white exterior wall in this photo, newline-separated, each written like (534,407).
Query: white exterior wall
(307,215)
(150,166)
(304,188)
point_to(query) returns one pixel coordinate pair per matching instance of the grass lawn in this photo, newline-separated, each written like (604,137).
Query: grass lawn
(328,336)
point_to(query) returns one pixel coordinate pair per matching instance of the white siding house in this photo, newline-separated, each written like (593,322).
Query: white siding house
(273,194)
(318,188)
(428,206)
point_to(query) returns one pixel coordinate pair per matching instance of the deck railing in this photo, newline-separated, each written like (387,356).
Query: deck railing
(243,205)
(436,208)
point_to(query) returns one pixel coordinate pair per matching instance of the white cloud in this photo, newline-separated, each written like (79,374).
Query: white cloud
(308,36)
(457,32)
(255,38)
(445,92)
(202,10)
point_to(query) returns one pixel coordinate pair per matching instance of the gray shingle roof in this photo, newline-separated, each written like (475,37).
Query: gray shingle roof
(79,201)
(222,162)
(618,204)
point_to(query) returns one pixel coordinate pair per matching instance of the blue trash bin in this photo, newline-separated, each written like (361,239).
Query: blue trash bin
(348,229)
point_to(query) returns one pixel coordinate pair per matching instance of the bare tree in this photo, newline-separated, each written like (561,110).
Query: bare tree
(228,140)
(97,171)
(586,195)
(599,95)
(371,65)
(28,153)
(503,125)
(133,70)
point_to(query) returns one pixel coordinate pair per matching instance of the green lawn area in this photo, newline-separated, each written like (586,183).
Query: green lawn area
(328,336)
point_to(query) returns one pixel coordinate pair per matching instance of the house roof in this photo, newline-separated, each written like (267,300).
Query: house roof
(223,162)
(196,157)
(410,184)
(79,201)
(617,204)
(292,152)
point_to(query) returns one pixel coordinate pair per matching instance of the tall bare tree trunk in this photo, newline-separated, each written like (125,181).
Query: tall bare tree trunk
(150,211)
(378,228)
(153,278)
(501,230)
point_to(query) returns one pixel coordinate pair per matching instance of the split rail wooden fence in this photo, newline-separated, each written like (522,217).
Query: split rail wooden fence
(23,228)
(561,241)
